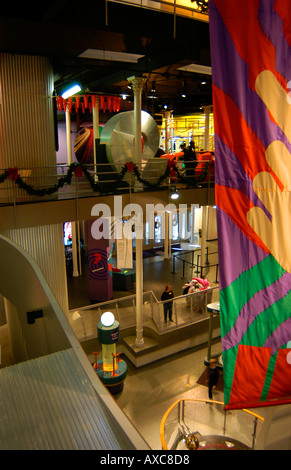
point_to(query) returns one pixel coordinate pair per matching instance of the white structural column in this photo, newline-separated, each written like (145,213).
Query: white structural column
(95,114)
(68,134)
(167,131)
(166,240)
(203,237)
(206,134)
(74,250)
(137,84)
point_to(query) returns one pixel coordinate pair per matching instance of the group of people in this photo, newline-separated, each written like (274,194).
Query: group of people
(196,284)
(190,159)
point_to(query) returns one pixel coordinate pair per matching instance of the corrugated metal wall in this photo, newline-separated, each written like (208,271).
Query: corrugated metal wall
(26,117)
(50,404)
(45,245)
(26,111)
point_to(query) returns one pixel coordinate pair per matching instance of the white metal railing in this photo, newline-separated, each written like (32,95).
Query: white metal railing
(187,309)
(102,175)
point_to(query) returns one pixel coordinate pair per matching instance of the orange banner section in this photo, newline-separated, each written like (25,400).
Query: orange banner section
(236,205)
(251,362)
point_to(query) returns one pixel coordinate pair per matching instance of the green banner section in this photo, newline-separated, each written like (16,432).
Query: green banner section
(239,292)
(267,322)
(229,361)
(269,376)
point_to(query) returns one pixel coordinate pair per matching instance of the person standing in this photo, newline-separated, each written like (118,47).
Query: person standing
(213,376)
(189,158)
(168,306)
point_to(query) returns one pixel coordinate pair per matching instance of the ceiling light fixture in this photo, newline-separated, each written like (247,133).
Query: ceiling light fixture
(100,54)
(71,91)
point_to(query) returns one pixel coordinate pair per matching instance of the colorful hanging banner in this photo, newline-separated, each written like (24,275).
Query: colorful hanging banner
(251,67)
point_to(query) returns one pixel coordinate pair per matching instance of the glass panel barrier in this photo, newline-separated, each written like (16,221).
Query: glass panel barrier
(187,309)
(203,424)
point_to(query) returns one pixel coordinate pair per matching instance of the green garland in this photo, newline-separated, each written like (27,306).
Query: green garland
(78,169)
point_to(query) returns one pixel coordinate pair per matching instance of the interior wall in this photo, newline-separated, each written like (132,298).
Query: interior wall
(25,288)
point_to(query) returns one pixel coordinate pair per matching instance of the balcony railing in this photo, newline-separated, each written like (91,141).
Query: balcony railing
(28,185)
(187,309)
(212,426)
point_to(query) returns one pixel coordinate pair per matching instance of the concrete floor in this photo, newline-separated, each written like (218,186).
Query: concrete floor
(150,390)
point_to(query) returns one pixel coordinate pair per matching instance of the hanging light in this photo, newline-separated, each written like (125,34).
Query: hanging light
(71,91)
(174,193)
(183,94)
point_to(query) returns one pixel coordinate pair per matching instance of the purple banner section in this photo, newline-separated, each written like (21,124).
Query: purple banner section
(99,266)
(272,25)
(233,250)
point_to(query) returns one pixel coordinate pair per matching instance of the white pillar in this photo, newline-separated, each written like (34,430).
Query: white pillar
(206,135)
(95,113)
(167,131)
(137,83)
(203,237)
(166,241)
(68,133)
(74,250)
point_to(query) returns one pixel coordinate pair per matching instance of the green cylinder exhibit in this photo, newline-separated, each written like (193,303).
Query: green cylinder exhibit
(110,369)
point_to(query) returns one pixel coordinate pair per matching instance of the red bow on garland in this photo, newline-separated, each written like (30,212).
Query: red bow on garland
(130,166)
(171,163)
(172,167)
(12,173)
(78,171)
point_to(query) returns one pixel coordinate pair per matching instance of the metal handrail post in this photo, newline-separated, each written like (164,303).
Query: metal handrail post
(255,432)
